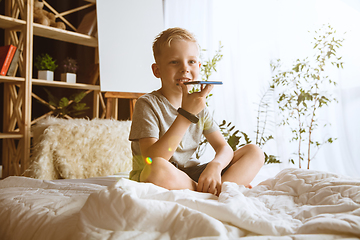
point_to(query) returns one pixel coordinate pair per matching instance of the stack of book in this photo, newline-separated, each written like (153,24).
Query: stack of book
(88,24)
(9,58)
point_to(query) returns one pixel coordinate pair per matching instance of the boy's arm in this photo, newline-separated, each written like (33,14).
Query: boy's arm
(210,179)
(168,143)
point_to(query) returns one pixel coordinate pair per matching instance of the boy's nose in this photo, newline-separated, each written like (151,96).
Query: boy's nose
(184,68)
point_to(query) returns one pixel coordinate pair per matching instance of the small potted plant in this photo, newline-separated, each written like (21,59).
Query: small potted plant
(45,66)
(69,70)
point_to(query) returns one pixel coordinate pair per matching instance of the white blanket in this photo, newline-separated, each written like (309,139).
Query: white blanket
(296,204)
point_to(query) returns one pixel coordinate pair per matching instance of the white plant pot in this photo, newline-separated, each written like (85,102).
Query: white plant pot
(46,75)
(68,77)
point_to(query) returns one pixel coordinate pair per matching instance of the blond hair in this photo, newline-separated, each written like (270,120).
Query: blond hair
(167,36)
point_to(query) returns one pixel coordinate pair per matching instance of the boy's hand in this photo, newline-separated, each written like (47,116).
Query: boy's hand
(210,179)
(194,102)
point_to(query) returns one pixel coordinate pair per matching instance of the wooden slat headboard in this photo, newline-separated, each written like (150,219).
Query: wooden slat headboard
(112,102)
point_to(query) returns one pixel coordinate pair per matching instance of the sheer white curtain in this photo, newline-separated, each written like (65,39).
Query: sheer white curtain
(255,32)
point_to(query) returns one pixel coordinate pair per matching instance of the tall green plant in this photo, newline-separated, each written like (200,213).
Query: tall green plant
(236,138)
(209,66)
(302,92)
(206,70)
(262,136)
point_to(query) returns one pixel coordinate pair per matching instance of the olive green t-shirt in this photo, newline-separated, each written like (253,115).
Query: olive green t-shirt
(153,115)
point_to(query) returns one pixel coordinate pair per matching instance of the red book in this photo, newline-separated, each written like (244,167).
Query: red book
(6,56)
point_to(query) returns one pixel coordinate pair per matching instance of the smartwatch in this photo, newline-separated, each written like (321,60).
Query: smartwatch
(191,117)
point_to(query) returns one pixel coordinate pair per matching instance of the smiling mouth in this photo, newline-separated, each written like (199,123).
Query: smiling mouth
(183,80)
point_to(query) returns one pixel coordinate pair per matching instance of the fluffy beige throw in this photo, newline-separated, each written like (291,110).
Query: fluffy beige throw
(80,148)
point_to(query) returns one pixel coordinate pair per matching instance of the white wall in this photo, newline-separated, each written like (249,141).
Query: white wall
(126,30)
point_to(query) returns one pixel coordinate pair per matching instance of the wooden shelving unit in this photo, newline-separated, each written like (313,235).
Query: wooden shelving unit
(17,120)
(49,32)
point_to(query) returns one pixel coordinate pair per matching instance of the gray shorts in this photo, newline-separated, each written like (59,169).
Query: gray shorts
(194,172)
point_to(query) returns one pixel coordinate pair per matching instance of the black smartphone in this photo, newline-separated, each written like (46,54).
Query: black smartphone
(204,82)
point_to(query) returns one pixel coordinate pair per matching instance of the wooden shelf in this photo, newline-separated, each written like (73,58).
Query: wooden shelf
(11,23)
(11,79)
(11,135)
(40,82)
(64,35)
(49,32)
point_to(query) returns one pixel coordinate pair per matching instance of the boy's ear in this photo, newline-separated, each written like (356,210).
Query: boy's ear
(156,70)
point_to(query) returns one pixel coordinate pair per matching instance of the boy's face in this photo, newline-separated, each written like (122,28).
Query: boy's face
(177,63)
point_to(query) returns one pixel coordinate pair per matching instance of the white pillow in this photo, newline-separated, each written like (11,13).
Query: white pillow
(80,148)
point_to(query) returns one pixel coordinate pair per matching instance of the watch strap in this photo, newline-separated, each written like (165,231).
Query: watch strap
(191,117)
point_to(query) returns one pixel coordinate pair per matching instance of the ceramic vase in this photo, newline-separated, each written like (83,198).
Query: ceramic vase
(46,75)
(68,77)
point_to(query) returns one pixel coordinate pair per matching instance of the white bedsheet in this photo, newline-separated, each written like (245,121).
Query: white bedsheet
(296,204)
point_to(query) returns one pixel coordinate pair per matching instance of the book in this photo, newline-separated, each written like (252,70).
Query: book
(6,56)
(88,24)
(13,65)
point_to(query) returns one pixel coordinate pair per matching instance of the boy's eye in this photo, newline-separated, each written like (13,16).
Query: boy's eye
(192,61)
(173,62)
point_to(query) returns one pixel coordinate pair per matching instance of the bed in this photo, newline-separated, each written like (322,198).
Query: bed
(294,204)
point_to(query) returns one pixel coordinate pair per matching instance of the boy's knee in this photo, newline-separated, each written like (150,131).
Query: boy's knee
(257,152)
(157,173)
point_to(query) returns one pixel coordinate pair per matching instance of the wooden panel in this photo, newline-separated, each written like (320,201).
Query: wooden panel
(111,108)
(25,143)
(125,95)
(96,104)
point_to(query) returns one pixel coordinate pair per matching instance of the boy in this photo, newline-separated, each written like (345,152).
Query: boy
(168,123)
